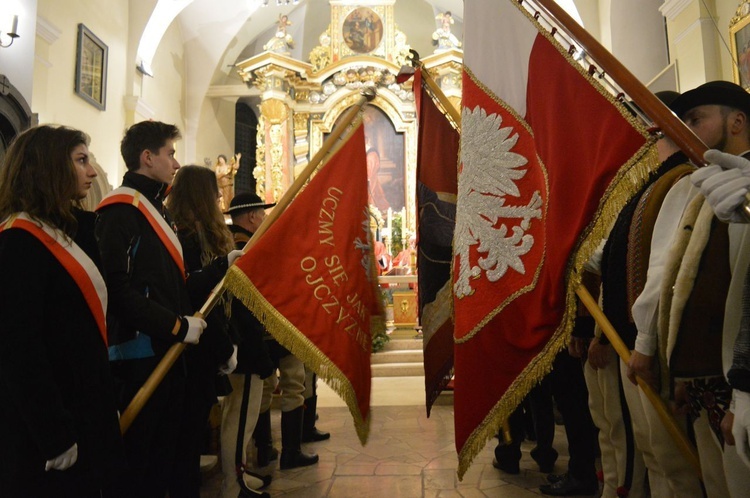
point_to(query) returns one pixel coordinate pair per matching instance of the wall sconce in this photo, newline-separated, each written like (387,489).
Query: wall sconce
(13,34)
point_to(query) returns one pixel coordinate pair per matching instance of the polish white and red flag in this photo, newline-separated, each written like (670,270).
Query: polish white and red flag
(543,149)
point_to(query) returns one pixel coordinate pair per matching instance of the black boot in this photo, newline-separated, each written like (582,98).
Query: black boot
(264,440)
(310,433)
(291,437)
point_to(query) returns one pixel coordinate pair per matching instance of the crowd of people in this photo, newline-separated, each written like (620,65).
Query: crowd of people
(672,278)
(93,301)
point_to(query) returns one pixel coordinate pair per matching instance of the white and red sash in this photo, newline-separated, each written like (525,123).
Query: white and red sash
(75,261)
(127,195)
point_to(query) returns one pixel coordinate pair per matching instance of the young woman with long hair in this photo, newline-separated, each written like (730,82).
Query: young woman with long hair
(207,248)
(58,422)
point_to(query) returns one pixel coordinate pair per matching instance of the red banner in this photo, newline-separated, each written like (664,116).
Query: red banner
(437,177)
(311,279)
(544,148)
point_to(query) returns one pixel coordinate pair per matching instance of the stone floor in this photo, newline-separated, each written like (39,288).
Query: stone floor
(408,455)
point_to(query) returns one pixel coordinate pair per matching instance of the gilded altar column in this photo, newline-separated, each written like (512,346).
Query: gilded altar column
(282,133)
(301,141)
(276,145)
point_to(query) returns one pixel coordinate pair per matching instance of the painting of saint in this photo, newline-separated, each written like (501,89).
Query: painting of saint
(385,161)
(362,30)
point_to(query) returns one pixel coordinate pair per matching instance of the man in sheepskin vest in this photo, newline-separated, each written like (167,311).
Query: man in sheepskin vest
(680,313)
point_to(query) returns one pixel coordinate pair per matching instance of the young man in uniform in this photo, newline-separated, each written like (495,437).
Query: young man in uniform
(149,307)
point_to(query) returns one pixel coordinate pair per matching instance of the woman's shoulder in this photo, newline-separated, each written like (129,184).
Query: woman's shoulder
(18,244)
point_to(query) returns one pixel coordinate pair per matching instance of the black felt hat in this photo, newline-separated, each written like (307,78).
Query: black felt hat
(713,93)
(668,97)
(245,202)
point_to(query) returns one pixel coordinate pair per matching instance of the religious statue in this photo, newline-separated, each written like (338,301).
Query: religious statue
(442,37)
(281,42)
(225,178)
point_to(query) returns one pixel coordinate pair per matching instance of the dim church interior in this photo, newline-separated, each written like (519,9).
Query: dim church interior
(210,67)
(408,455)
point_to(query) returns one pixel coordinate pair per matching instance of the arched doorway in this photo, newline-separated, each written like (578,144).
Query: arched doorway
(245,141)
(15,114)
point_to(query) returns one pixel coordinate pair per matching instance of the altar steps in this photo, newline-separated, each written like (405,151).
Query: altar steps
(401,357)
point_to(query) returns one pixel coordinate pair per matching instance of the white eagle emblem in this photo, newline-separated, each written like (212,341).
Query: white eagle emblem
(489,173)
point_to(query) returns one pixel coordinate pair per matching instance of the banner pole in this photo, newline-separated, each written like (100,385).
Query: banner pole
(685,446)
(655,109)
(174,352)
(432,87)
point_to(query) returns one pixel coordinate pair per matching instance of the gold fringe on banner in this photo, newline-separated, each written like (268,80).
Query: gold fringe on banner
(300,346)
(630,179)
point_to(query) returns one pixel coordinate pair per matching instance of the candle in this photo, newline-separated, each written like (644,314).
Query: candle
(14,29)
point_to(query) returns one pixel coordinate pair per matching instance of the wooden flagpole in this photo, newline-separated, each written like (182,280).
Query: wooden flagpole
(433,88)
(686,447)
(683,137)
(174,352)
(654,108)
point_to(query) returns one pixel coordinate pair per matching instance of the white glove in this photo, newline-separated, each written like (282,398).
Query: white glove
(230,365)
(724,184)
(64,460)
(195,329)
(741,426)
(232,256)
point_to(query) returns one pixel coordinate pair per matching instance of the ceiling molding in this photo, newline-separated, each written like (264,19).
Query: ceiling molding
(46,30)
(136,104)
(672,8)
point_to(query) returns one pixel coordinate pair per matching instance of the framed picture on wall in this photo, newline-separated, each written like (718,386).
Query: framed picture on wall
(91,68)
(739,37)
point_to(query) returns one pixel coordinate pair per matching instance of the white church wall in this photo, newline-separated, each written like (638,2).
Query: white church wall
(131,96)
(693,40)
(16,61)
(216,131)
(54,97)
(164,93)
(638,37)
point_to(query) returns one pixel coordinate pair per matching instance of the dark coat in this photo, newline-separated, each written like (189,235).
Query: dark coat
(147,293)
(252,354)
(55,381)
(215,346)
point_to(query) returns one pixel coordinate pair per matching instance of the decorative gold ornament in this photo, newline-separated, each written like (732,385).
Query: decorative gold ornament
(259,172)
(274,110)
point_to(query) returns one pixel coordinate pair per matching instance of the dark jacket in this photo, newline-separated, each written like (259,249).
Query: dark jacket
(147,292)
(252,354)
(55,381)
(215,346)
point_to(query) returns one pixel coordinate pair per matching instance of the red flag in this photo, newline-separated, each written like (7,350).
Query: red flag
(311,279)
(543,147)
(437,176)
